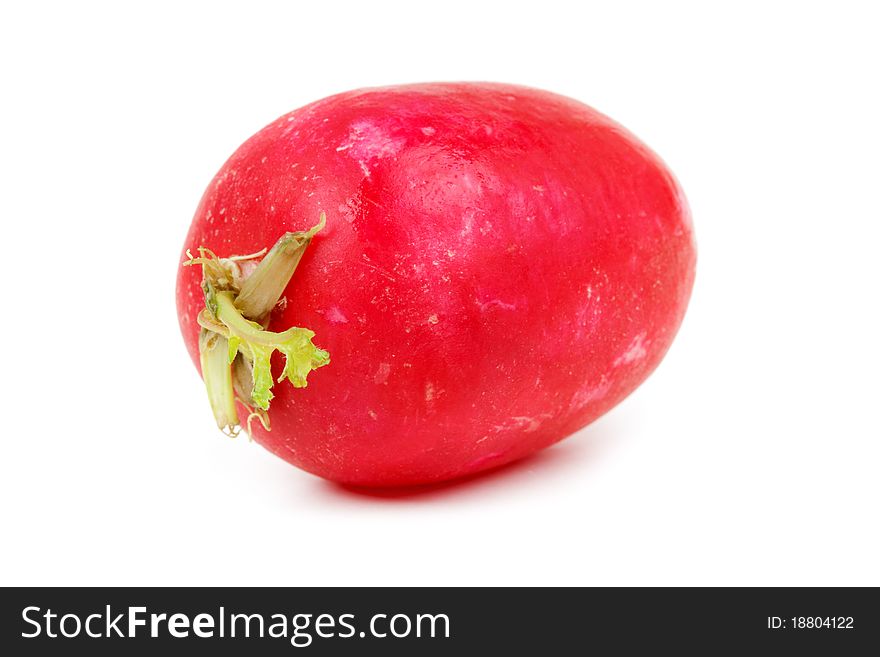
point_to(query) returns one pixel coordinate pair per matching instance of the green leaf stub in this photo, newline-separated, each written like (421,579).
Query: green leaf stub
(232,343)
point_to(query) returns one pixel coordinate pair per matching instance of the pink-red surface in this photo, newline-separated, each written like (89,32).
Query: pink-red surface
(500,266)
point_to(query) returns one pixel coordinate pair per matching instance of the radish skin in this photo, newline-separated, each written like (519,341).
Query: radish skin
(499,267)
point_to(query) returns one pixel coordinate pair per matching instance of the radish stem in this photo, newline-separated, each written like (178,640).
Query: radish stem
(218,381)
(232,344)
(264,287)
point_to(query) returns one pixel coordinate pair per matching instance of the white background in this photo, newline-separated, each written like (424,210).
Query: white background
(750,457)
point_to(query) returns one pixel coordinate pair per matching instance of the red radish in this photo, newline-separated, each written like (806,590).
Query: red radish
(499,267)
